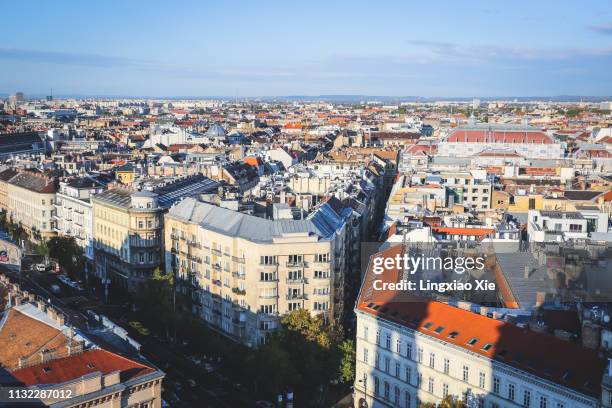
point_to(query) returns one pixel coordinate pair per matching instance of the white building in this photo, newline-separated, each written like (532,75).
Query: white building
(73,211)
(557,226)
(411,351)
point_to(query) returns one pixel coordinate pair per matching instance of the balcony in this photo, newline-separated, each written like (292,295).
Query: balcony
(144,243)
(266,296)
(216,252)
(296,264)
(238,259)
(238,291)
(217,282)
(174,236)
(196,259)
(239,275)
(297,296)
(297,281)
(217,267)
(194,244)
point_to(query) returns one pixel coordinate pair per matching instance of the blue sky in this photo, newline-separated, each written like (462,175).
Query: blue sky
(264,48)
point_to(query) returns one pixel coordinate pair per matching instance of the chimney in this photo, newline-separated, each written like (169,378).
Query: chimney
(46,355)
(526,272)
(23,361)
(75,347)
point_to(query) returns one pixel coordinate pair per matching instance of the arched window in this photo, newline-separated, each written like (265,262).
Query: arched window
(376,386)
(387,390)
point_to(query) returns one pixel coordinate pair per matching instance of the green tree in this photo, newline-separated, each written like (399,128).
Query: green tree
(313,346)
(42,249)
(448,402)
(273,369)
(68,254)
(347,363)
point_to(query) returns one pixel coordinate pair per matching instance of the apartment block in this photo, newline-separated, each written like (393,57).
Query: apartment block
(127,229)
(31,198)
(415,350)
(73,211)
(244,272)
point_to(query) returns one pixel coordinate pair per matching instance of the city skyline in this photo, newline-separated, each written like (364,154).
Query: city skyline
(275,49)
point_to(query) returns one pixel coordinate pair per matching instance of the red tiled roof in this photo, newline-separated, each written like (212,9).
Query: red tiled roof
(464,231)
(499,136)
(73,367)
(252,161)
(562,362)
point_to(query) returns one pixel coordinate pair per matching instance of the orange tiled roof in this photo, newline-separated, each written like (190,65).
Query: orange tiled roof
(464,231)
(537,353)
(23,336)
(75,366)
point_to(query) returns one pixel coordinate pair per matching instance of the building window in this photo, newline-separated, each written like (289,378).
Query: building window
(377,364)
(388,342)
(397,369)
(387,364)
(575,228)
(387,390)
(496,385)
(432,360)
(267,260)
(444,390)
(481,380)
(431,385)
(527,398)
(407,399)
(376,386)
(446,366)
(398,346)
(420,355)
(543,402)
(409,350)
(267,276)
(322,258)
(396,395)
(408,375)
(511,392)
(365,333)
(560,405)
(466,373)
(378,337)
(365,355)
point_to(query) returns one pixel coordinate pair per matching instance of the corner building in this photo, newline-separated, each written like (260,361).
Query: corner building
(415,350)
(243,272)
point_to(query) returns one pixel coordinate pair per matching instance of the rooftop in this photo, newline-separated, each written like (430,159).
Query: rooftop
(74,367)
(580,369)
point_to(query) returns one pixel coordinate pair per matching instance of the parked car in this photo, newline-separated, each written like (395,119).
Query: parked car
(40,267)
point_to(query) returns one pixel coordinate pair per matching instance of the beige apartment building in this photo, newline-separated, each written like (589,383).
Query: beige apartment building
(30,198)
(127,236)
(244,272)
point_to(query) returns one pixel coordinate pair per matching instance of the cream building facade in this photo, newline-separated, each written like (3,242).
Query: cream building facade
(31,200)
(244,272)
(127,234)
(414,350)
